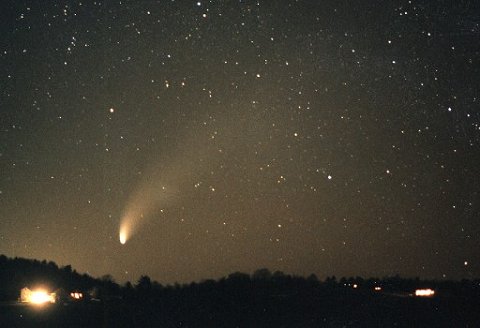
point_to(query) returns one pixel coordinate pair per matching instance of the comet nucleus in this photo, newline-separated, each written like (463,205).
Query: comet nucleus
(123,237)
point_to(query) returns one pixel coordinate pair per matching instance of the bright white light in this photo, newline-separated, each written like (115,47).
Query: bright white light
(41,297)
(123,237)
(125,231)
(424,292)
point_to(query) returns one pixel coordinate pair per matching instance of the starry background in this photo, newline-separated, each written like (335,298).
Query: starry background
(326,137)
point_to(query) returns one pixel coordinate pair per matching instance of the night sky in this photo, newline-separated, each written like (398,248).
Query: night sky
(328,137)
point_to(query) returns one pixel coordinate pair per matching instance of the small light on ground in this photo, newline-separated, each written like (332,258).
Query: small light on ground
(424,292)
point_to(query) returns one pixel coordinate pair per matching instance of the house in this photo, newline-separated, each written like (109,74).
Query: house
(36,296)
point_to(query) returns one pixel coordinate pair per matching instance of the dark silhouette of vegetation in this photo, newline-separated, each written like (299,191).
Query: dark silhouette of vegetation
(263,299)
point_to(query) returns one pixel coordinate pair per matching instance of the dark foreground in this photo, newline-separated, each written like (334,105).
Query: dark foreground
(263,299)
(328,309)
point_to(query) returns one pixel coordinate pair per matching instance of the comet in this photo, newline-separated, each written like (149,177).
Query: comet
(160,186)
(148,201)
(175,171)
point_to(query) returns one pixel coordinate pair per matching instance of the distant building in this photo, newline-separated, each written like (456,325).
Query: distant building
(76,295)
(25,293)
(427,292)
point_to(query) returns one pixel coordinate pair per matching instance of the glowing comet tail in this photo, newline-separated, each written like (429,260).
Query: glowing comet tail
(160,184)
(142,206)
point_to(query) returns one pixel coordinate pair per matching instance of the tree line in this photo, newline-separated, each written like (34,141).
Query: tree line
(261,299)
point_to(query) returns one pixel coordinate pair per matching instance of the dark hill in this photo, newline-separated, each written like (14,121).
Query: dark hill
(263,299)
(16,273)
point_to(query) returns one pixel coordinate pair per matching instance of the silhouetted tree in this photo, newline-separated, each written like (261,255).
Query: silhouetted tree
(67,269)
(312,278)
(238,276)
(331,281)
(278,275)
(107,278)
(144,284)
(262,274)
